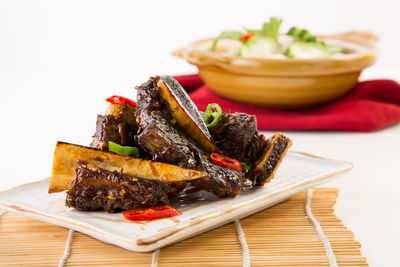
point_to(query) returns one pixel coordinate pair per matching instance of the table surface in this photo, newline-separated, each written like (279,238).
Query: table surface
(40,108)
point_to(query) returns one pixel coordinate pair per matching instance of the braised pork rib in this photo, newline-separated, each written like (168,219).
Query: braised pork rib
(173,140)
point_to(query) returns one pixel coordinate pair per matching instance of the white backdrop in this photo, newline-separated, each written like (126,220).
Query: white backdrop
(109,36)
(59,60)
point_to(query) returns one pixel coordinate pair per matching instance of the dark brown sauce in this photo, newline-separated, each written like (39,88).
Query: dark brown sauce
(175,220)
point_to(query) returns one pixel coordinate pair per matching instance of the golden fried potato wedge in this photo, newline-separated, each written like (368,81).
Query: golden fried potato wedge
(185,112)
(68,156)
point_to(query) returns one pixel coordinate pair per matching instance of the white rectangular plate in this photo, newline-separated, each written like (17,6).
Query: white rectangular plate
(200,211)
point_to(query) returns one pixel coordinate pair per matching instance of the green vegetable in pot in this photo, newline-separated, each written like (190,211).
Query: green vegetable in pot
(307,50)
(260,47)
(231,35)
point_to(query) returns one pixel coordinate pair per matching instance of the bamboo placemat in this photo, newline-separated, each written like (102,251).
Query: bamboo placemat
(284,235)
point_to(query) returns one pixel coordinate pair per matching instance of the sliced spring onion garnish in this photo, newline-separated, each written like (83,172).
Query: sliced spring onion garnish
(212,115)
(123,150)
(244,166)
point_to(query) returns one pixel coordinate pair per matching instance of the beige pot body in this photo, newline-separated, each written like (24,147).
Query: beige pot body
(284,83)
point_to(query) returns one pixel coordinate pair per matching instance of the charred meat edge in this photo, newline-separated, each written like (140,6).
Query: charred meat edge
(237,136)
(274,151)
(98,189)
(117,125)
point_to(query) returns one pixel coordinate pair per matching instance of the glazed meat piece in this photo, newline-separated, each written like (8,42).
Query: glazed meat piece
(157,134)
(99,189)
(255,149)
(117,125)
(223,182)
(160,139)
(110,128)
(236,135)
(275,148)
(160,136)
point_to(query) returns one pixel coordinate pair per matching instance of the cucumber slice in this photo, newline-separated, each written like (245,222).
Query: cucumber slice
(259,47)
(294,31)
(307,50)
(335,50)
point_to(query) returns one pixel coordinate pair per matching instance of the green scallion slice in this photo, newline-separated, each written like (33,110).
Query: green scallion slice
(123,150)
(212,115)
(244,166)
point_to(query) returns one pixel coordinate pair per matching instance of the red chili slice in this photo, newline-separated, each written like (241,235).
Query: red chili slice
(151,213)
(245,37)
(226,162)
(116,99)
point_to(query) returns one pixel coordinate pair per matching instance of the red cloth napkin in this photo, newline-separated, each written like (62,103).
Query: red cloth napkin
(372,105)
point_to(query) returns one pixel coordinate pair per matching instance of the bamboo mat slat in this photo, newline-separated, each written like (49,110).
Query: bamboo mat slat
(279,236)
